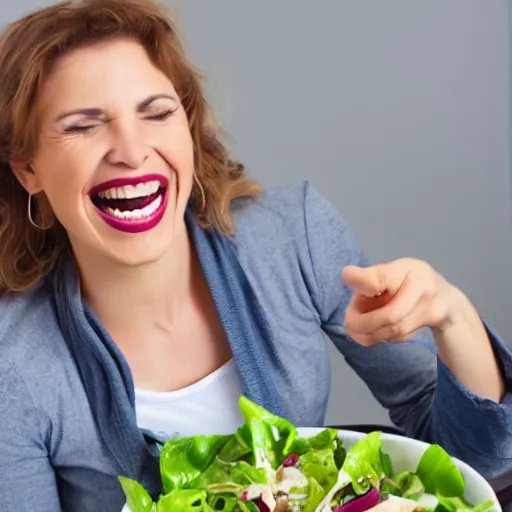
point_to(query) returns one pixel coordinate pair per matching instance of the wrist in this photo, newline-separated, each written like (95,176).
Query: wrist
(458,312)
(463,345)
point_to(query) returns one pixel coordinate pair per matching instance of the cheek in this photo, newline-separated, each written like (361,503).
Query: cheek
(177,149)
(64,182)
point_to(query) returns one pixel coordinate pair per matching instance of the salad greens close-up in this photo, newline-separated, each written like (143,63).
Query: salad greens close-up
(267,467)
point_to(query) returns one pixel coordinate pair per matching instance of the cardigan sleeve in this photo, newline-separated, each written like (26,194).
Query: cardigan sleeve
(421,394)
(27,481)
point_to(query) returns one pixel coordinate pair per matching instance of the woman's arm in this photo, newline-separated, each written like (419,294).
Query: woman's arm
(464,347)
(27,479)
(422,394)
(393,300)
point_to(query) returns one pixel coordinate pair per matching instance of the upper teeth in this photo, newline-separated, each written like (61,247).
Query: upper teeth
(130,191)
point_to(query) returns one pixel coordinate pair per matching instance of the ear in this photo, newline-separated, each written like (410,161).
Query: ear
(25,174)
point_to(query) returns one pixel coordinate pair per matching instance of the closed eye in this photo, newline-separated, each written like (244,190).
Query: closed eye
(80,129)
(163,116)
(90,127)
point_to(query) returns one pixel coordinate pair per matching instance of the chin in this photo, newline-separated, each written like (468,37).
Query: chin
(140,249)
(138,257)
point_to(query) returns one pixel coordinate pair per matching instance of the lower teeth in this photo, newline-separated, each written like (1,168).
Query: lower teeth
(136,214)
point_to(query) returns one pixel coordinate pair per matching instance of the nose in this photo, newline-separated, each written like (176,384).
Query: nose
(127,146)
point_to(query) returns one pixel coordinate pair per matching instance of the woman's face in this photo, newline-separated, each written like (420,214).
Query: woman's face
(115,155)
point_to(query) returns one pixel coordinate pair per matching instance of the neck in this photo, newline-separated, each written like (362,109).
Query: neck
(124,295)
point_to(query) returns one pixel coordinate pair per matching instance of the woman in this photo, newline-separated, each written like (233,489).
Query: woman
(147,283)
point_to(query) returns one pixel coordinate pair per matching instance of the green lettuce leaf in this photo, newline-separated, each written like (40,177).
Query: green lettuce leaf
(324,439)
(315,495)
(439,474)
(137,497)
(232,475)
(248,506)
(183,460)
(457,504)
(320,466)
(224,503)
(238,446)
(272,436)
(187,500)
(363,463)
(411,486)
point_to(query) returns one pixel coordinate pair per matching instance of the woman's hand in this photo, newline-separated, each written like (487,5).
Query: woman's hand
(393,300)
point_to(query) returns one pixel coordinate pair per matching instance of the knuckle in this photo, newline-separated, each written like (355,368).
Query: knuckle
(395,330)
(429,290)
(398,332)
(393,318)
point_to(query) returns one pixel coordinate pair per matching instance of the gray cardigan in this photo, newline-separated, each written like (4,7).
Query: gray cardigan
(66,392)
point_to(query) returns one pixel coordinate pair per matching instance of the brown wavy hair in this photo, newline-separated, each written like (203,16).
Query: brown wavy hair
(28,49)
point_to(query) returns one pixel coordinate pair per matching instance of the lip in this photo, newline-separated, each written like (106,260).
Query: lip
(129,180)
(133,225)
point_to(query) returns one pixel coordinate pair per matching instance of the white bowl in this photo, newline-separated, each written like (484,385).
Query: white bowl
(405,454)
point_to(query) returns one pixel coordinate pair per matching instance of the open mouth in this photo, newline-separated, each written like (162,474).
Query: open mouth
(131,205)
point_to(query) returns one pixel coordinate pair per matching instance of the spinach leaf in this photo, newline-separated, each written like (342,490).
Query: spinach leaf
(387,465)
(439,474)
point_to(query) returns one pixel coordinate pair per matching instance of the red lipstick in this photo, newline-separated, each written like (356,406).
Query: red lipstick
(132,204)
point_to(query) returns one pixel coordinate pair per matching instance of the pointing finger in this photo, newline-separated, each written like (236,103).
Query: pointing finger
(369,281)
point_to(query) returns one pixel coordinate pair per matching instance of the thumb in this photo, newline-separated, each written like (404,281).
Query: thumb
(369,281)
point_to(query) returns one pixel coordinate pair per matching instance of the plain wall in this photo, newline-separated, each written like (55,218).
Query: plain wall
(398,111)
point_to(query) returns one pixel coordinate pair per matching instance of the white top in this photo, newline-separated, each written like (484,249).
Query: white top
(209,406)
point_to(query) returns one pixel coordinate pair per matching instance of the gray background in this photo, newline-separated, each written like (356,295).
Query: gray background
(397,110)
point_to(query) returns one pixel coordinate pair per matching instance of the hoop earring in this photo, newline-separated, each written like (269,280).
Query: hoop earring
(201,189)
(30,217)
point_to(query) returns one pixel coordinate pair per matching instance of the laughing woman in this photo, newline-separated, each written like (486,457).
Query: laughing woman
(146,283)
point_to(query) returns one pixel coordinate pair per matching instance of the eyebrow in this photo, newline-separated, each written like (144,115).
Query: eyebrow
(143,105)
(97,112)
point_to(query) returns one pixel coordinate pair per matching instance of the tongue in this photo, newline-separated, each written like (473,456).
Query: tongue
(124,205)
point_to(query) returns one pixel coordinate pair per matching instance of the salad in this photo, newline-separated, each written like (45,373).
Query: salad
(267,467)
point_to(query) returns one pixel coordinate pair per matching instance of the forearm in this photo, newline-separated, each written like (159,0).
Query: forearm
(464,347)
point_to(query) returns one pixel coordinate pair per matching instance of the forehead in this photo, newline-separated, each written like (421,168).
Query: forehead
(109,74)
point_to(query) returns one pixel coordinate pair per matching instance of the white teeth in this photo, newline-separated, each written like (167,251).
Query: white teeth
(131,191)
(147,211)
